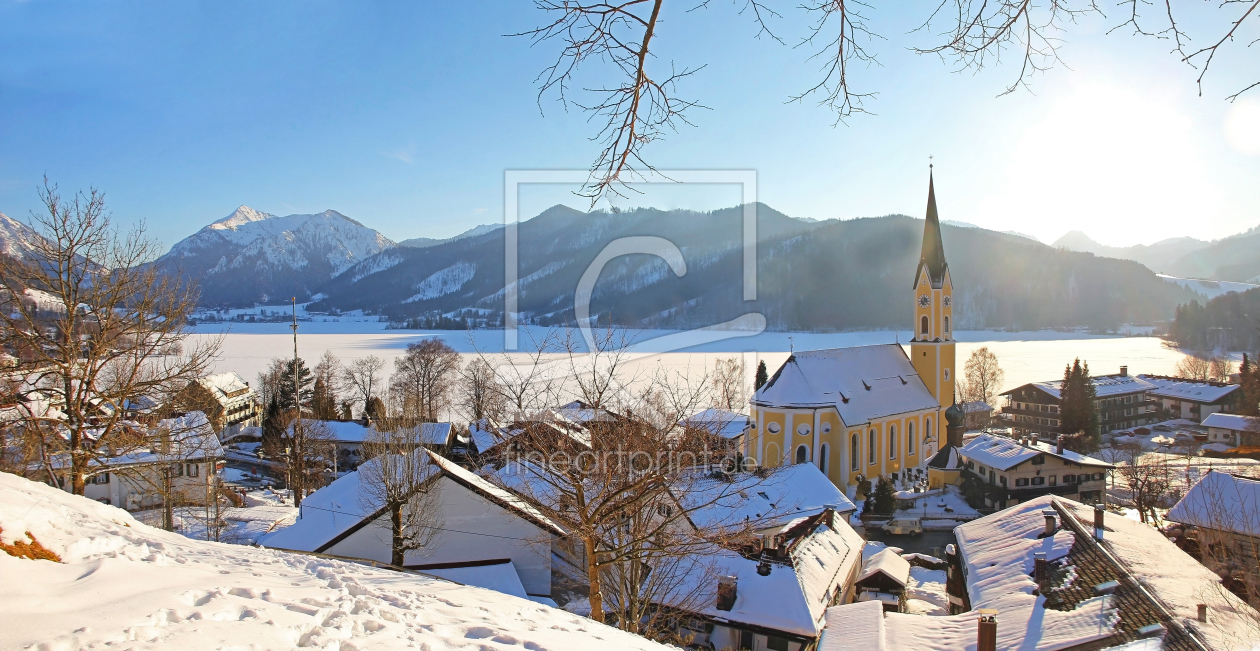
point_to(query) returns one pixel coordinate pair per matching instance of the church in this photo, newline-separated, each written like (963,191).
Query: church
(865,411)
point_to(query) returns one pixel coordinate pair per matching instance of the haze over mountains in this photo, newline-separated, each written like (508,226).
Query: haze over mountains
(811,275)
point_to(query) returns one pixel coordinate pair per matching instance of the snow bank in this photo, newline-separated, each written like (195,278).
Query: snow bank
(123,582)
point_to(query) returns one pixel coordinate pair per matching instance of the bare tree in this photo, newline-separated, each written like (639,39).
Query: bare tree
(598,374)
(1221,367)
(480,398)
(95,330)
(637,101)
(400,480)
(1195,366)
(730,386)
(270,379)
(363,375)
(424,378)
(984,376)
(1148,482)
(523,380)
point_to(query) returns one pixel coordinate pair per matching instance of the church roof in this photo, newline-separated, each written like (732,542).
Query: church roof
(864,383)
(933,255)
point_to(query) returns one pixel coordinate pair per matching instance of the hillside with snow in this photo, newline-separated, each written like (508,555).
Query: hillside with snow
(123,584)
(254,257)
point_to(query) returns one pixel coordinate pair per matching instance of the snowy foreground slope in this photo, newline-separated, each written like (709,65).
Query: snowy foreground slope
(127,585)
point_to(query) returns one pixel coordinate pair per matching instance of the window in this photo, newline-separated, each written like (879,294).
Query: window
(1038,481)
(892,441)
(802,453)
(927,429)
(822,458)
(871,452)
(1054,481)
(776,643)
(1069,479)
(946,325)
(193,469)
(923,326)
(1098,476)
(910,437)
(853,453)
(1084,477)
(773,428)
(1002,480)
(1038,460)
(1021,481)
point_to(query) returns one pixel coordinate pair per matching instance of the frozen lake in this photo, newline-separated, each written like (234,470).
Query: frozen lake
(1024,356)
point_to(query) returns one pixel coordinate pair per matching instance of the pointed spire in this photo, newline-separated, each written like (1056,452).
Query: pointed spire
(933,254)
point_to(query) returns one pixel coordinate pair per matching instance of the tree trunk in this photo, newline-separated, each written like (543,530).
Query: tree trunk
(592,576)
(396,520)
(168,515)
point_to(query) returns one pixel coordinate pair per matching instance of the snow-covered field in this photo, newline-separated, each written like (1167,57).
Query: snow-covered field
(264,511)
(123,584)
(1024,356)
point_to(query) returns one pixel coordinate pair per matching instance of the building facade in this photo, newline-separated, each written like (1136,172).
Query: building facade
(865,411)
(1123,401)
(1192,399)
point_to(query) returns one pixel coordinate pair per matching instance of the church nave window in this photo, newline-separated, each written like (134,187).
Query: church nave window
(910,437)
(822,458)
(854,453)
(802,453)
(892,441)
(874,443)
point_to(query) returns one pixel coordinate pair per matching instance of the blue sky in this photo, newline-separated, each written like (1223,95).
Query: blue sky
(405,116)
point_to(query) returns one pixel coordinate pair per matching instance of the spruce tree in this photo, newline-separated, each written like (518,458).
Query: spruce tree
(762,377)
(273,428)
(885,496)
(285,389)
(1249,381)
(1078,411)
(375,408)
(323,402)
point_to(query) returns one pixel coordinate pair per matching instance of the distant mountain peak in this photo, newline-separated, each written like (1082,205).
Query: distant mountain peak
(241,216)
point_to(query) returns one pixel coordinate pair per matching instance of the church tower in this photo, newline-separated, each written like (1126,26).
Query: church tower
(932,347)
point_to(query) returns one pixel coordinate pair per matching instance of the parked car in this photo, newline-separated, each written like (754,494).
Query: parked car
(904,526)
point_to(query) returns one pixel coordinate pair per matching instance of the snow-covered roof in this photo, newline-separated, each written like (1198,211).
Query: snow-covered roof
(788,492)
(500,577)
(184,439)
(120,577)
(354,431)
(887,562)
(1233,422)
(726,424)
(864,383)
(1221,501)
(945,459)
(336,508)
(1104,385)
(791,599)
(1003,453)
(1186,389)
(580,412)
(225,386)
(485,435)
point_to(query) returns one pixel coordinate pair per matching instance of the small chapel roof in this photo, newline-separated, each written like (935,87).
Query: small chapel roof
(864,383)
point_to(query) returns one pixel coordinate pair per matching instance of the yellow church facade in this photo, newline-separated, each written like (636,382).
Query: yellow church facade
(866,411)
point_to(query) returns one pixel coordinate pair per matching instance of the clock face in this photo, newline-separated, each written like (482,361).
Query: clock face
(924,300)
(945,301)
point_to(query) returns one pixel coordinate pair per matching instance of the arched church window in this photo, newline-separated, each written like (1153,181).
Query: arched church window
(927,429)
(946,325)
(892,441)
(854,454)
(822,458)
(923,325)
(910,437)
(802,454)
(874,445)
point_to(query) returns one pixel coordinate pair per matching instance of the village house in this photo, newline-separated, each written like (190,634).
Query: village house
(1232,430)
(482,526)
(225,399)
(349,437)
(883,578)
(1052,573)
(1222,513)
(1017,470)
(1192,399)
(1123,401)
(866,411)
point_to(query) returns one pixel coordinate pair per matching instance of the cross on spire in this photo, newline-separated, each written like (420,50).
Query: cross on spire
(930,157)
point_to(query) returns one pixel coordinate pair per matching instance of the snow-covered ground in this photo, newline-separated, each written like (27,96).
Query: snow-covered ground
(939,509)
(1209,288)
(124,584)
(265,511)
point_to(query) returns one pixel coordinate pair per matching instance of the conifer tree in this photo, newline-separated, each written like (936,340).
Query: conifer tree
(762,377)
(273,427)
(285,388)
(1249,379)
(885,497)
(323,402)
(1078,412)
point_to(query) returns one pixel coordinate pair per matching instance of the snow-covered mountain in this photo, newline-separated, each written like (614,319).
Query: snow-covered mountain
(15,237)
(253,257)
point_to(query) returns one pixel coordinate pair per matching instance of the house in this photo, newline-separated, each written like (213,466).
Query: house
(1123,401)
(775,595)
(482,525)
(1223,512)
(226,399)
(727,427)
(186,447)
(1040,575)
(1016,470)
(349,437)
(1233,430)
(865,411)
(883,578)
(1193,399)
(979,413)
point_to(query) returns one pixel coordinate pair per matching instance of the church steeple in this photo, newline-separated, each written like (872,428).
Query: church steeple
(933,256)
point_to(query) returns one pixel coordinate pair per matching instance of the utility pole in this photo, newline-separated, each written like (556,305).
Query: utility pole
(297,467)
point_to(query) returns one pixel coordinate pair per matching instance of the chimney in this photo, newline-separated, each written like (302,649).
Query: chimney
(1098,521)
(1052,522)
(1203,613)
(1124,371)
(1041,570)
(986,632)
(726,593)
(1035,439)
(1058,447)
